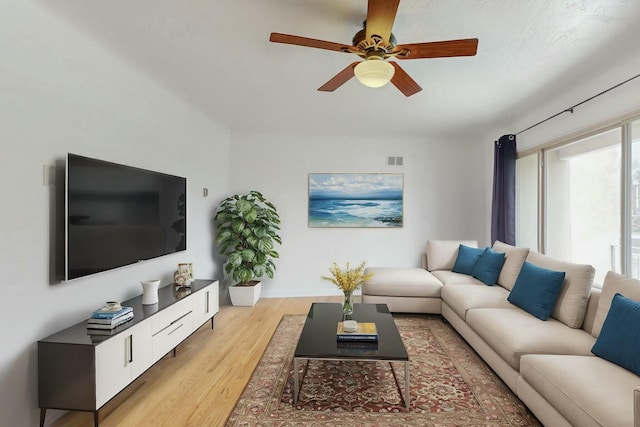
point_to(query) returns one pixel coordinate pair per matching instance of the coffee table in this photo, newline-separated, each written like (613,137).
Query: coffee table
(318,341)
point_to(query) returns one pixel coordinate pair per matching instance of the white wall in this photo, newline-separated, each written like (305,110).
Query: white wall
(444,196)
(603,109)
(62,93)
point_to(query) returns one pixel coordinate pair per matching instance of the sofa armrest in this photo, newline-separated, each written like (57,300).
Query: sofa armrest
(592,309)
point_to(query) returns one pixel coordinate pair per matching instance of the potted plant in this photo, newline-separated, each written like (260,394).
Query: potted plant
(247,230)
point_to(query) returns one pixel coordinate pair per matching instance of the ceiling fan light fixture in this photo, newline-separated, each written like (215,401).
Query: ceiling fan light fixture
(374,72)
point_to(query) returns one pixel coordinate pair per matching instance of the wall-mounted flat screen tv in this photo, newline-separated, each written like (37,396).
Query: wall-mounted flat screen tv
(118,215)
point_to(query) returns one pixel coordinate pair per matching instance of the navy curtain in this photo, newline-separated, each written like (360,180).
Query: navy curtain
(503,207)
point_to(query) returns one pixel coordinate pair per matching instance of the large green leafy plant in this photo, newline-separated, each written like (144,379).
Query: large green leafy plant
(247,230)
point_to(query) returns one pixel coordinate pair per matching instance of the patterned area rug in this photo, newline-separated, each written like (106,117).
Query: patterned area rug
(450,385)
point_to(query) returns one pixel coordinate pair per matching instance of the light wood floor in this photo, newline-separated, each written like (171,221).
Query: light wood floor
(200,386)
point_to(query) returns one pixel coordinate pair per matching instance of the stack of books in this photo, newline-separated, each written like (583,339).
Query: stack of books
(105,320)
(362,348)
(365,332)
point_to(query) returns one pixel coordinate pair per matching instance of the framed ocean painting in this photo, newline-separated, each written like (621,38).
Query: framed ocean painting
(356,200)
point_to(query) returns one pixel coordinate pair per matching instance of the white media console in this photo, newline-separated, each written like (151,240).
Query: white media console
(81,372)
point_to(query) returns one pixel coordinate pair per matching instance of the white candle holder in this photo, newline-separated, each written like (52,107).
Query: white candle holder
(150,291)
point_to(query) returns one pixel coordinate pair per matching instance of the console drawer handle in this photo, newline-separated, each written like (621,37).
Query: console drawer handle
(130,348)
(179,326)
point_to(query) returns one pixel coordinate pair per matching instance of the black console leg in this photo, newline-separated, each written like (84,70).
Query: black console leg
(212,323)
(43,413)
(96,418)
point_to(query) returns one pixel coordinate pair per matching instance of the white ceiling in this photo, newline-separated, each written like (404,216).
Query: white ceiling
(216,54)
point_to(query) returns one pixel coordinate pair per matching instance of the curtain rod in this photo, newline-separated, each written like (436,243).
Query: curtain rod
(570,109)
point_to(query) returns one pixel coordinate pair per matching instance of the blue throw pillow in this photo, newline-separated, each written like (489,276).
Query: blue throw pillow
(467,259)
(536,290)
(619,339)
(488,267)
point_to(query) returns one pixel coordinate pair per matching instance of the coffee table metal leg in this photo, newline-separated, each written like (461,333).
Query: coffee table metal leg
(407,396)
(295,380)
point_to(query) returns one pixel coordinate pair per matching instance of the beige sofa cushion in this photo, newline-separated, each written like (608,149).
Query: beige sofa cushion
(515,257)
(461,298)
(513,333)
(586,390)
(451,278)
(401,282)
(614,283)
(442,254)
(573,298)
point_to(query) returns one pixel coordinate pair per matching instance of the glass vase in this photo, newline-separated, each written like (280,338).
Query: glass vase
(347,304)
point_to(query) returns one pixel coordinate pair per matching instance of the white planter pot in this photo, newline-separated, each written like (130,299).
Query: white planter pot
(245,296)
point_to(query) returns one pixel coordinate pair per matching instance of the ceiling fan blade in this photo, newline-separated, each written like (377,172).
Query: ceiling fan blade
(403,81)
(464,47)
(307,42)
(380,17)
(339,79)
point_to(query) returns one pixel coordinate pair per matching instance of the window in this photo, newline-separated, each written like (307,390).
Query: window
(634,200)
(527,201)
(581,203)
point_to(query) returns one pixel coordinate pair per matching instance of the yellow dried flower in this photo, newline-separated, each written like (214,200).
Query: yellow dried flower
(349,279)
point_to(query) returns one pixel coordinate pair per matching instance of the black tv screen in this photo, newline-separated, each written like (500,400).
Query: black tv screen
(118,215)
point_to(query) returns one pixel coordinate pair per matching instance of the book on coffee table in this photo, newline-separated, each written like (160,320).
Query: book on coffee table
(361,348)
(366,332)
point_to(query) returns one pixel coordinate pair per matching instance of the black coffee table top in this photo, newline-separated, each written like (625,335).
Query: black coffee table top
(318,337)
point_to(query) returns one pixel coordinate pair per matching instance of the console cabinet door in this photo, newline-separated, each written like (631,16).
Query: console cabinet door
(121,359)
(205,304)
(141,349)
(113,366)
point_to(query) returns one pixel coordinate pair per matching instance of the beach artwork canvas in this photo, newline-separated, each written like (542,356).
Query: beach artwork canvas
(355,200)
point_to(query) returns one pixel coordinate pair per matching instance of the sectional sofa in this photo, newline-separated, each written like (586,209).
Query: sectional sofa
(499,310)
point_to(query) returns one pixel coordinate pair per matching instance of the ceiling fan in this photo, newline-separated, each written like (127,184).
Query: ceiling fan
(375,44)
